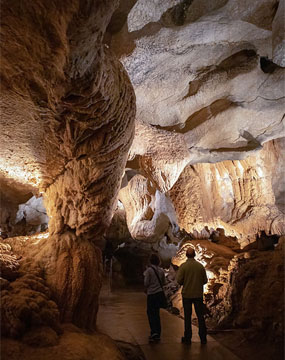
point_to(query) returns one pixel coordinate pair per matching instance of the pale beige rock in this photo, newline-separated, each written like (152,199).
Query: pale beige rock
(162,155)
(196,70)
(235,195)
(278,35)
(149,213)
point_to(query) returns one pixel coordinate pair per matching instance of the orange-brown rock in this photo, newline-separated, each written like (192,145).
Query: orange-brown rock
(251,294)
(161,155)
(73,344)
(9,263)
(66,126)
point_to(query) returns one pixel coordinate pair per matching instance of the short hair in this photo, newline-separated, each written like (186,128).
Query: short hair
(190,252)
(154,259)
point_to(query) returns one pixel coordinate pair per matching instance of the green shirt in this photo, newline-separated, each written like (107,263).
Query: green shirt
(192,275)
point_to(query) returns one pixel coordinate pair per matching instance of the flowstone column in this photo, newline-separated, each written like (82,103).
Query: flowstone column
(77,108)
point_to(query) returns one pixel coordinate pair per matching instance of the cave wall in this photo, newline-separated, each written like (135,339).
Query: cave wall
(237,195)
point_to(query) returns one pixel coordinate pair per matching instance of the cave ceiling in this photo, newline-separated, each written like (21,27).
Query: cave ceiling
(198,73)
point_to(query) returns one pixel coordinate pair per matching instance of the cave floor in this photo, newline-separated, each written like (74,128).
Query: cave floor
(122,316)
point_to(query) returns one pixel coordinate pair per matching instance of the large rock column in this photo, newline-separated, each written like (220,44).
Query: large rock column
(68,109)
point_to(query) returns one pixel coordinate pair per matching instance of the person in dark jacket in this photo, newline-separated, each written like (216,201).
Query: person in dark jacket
(154,279)
(192,275)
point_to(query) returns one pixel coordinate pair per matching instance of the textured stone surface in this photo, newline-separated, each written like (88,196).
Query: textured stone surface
(66,128)
(57,259)
(9,263)
(210,89)
(278,31)
(86,117)
(236,195)
(149,213)
(198,69)
(243,298)
(161,155)
(33,211)
(237,293)
(74,344)
(27,304)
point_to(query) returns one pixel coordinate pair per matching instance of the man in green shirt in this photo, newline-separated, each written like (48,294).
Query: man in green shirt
(192,275)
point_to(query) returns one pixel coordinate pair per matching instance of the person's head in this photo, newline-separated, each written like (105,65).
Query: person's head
(190,253)
(154,259)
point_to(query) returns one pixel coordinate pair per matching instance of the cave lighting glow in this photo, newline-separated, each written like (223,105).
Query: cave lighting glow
(217,223)
(35,238)
(18,174)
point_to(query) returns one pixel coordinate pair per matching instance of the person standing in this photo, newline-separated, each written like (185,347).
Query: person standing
(154,279)
(192,275)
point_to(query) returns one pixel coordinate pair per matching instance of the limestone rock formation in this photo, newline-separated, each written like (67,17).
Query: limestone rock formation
(214,257)
(190,63)
(66,126)
(74,344)
(237,195)
(150,214)
(243,295)
(160,155)
(33,211)
(278,29)
(30,218)
(9,263)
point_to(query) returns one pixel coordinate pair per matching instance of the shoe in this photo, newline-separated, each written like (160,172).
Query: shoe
(203,341)
(185,341)
(154,338)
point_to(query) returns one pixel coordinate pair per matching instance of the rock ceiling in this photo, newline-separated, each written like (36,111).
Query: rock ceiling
(209,85)
(196,69)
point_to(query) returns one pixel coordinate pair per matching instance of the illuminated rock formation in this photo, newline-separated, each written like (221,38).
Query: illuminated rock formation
(203,70)
(66,127)
(150,214)
(237,195)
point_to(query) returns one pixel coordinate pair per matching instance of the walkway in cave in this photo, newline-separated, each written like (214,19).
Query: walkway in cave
(122,316)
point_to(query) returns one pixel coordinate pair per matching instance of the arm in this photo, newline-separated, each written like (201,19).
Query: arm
(163,281)
(205,277)
(146,279)
(180,276)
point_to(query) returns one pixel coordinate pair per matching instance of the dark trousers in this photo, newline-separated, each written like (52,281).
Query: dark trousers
(153,306)
(198,304)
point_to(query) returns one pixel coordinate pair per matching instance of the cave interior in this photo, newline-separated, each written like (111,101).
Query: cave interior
(132,127)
